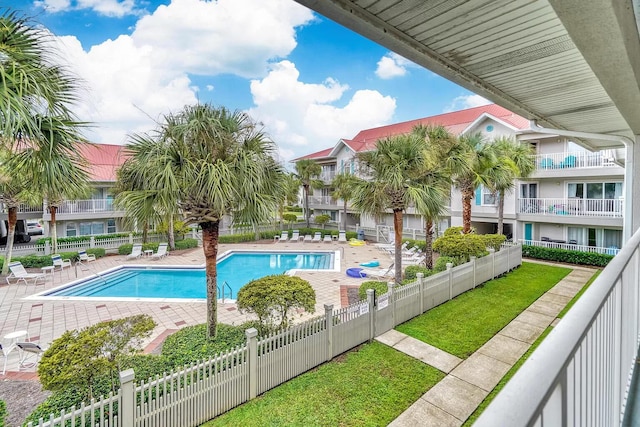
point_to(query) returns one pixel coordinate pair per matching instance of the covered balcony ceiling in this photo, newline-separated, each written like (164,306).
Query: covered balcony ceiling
(568,64)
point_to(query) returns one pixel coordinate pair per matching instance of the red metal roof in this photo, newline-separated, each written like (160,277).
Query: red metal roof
(316,155)
(103,160)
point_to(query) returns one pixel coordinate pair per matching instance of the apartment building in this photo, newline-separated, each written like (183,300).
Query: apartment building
(574,199)
(92,216)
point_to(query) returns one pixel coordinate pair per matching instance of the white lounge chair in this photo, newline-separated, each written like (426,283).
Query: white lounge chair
(308,238)
(162,251)
(295,236)
(136,251)
(84,257)
(342,236)
(29,354)
(317,237)
(378,273)
(327,238)
(4,353)
(18,272)
(283,237)
(60,264)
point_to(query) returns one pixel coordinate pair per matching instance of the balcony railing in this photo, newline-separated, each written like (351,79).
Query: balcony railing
(327,176)
(86,206)
(580,373)
(562,244)
(22,208)
(574,160)
(574,207)
(322,200)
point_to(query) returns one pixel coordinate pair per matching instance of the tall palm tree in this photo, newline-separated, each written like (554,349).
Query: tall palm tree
(307,173)
(480,157)
(343,186)
(514,160)
(395,182)
(290,190)
(218,163)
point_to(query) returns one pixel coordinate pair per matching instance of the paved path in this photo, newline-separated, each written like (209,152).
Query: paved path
(469,381)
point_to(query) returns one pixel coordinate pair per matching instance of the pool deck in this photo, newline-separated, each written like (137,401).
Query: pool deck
(46,320)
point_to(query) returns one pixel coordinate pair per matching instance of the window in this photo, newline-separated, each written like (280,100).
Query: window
(600,196)
(111,226)
(71,230)
(488,197)
(91,228)
(529,190)
(595,237)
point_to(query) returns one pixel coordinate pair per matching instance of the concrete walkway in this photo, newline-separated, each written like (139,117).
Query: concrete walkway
(468,382)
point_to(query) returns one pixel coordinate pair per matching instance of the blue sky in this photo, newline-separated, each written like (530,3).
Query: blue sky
(307,79)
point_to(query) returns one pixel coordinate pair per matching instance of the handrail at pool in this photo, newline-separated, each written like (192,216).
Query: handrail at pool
(581,372)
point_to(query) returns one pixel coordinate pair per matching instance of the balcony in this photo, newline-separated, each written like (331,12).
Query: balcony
(316,201)
(563,244)
(86,206)
(327,176)
(602,208)
(22,209)
(601,159)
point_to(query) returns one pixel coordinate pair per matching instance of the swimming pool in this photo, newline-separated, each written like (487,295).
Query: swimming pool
(235,269)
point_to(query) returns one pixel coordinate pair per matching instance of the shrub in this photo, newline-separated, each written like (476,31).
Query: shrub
(186,244)
(237,238)
(441,263)
(290,218)
(568,256)
(322,219)
(494,241)
(460,245)
(410,273)
(272,297)
(3,412)
(380,287)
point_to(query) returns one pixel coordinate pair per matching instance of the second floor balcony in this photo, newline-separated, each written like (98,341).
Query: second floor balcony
(604,208)
(554,161)
(322,201)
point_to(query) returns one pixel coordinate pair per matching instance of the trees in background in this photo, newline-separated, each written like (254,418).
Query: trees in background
(307,173)
(343,185)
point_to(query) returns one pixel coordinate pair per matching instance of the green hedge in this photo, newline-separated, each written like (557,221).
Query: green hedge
(37,261)
(186,244)
(3,412)
(568,256)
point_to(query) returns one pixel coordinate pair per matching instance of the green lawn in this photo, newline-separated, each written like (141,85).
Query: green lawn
(462,325)
(369,386)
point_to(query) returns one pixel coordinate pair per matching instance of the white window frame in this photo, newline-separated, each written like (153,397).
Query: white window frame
(488,193)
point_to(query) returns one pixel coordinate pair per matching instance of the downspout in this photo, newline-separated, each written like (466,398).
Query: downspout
(627,218)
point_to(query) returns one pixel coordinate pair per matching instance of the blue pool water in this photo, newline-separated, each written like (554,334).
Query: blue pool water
(237,269)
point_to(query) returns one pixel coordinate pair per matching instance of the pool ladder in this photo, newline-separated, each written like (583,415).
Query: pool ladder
(225,287)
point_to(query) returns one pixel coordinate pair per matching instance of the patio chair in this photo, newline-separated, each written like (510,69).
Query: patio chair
(84,257)
(295,236)
(308,238)
(283,237)
(18,272)
(342,236)
(4,352)
(327,238)
(317,237)
(60,264)
(136,251)
(379,273)
(162,251)
(29,354)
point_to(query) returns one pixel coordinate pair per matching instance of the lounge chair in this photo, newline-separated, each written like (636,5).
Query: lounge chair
(162,251)
(136,251)
(84,257)
(308,238)
(60,264)
(5,354)
(283,237)
(378,273)
(327,238)
(18,272)
(342,236)
(29,354)
(295,236)
(317,237)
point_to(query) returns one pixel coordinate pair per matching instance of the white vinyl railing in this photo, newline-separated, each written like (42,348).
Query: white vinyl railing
(610,208)
(205,390)
(570,246)
(574,160)
(322,200)
(86,206)
(580,373)
(22,208)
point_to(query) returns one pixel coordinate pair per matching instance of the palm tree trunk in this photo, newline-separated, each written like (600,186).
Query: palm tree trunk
(306,204)
(500,211)
(13,219)
(467,196)
(428,247)
(397,228)
(344,216)
(210,235)
(54,233)
(172,235)
(145,232)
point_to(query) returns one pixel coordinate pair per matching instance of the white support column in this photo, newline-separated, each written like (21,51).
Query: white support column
(631,191)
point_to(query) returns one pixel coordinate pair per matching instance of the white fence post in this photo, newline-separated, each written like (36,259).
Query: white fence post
(492,254)
(371,303)
(47,248)
(473,264)
(450,270)
(392,300)
(131,238)
(92,242)
(328,315)
(420,277)
(252,359)
(128,396)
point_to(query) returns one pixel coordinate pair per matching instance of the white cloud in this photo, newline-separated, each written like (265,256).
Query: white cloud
(392,65)
(136,78)
(301,117)
(113,8)
(466,101)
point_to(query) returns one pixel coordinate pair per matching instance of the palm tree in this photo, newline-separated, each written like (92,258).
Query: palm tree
(514,160)
(218,163)
(291,186)
(395,182)
(343,185)
(480,158)
(307,171)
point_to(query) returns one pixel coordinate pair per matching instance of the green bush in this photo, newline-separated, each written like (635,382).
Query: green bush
(322,219)
(441,263)
(568,256)
(460,245)
(3,412)
(380,287)
(237,238)
(56,402)
(289,217)
(410,273)
(38,261)
(186,244)
(493,241)
(293,209)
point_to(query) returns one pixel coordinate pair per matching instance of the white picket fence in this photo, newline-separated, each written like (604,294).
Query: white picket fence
(205,390)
